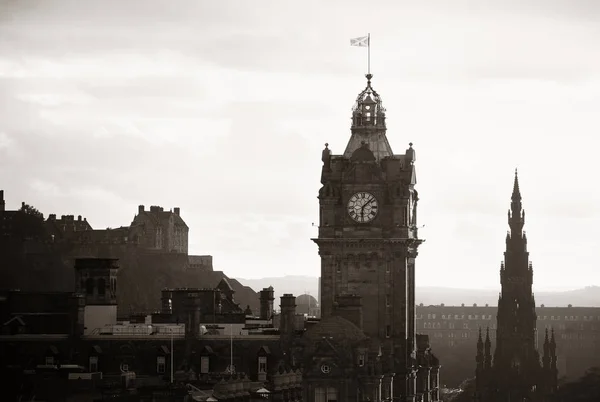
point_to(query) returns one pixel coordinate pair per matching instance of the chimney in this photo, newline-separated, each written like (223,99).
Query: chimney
(77,314)
(79,218)
(349,306)
(193,304)
(2,203)
(176,211)
(266,303)
(52,217)
(287,322)
(140,209)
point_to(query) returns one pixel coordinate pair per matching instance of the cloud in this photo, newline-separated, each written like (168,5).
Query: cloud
(223,110)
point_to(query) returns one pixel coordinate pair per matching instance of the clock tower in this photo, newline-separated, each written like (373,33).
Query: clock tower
(368,241)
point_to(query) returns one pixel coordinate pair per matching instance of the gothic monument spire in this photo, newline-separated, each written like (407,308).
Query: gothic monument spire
(516,372)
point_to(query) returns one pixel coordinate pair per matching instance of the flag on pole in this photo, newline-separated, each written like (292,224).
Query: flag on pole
(363,41)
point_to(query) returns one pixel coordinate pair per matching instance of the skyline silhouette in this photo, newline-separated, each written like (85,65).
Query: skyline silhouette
(224,111)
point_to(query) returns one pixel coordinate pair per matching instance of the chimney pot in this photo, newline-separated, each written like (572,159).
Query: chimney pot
(176,211)
(140,209)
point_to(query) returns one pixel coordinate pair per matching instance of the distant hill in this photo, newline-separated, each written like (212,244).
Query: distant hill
(297,285)
(586,297)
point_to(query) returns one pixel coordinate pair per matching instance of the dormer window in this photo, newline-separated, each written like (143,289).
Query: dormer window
(160,364)
(93,364)
(262,365)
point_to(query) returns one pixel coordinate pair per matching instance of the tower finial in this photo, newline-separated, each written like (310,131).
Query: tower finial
(516,194)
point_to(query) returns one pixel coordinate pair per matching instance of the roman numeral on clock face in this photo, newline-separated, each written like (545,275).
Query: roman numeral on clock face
(362,207)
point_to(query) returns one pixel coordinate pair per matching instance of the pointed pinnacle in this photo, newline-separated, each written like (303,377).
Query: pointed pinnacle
(516,194)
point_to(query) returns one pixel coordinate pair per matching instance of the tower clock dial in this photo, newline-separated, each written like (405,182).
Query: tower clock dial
(363,207)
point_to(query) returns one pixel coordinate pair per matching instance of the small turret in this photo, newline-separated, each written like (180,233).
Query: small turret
(410,155)
(488,350)
(368,124)
(546,358)
(553,352)
(479,359)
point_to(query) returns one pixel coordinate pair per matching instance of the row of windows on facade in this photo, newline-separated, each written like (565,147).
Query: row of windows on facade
(577,336)
(358,265)
(456,317)
(570,318)
(561,327)
(179,240)
(437,325)
(326,394)
(581,327)
(489,317)
(161,364)
(462,335)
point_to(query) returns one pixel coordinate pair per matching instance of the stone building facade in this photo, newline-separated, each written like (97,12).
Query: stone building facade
(454,330)
(46,339)
(159,229)
(366,346)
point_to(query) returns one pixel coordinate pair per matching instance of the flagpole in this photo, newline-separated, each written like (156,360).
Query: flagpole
(369,53)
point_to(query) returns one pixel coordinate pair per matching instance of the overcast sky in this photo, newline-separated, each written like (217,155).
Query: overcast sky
(222,108)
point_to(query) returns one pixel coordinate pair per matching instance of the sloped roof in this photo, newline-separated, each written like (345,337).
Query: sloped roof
(337,328)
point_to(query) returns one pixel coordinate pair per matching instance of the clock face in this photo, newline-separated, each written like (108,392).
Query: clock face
(363,207)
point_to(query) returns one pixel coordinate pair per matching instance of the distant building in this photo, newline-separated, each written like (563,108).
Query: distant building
(67,227)
(201,263)
(515,371)
(25,223)
(307,304)
(454,331)
(160,230)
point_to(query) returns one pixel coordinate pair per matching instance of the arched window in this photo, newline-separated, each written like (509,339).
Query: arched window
(101,287)
(89,286)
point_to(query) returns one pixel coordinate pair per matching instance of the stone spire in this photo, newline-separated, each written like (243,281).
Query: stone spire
(488,349)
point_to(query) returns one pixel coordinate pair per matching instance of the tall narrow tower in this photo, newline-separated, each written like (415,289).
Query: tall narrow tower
(368,238)
(516,373)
